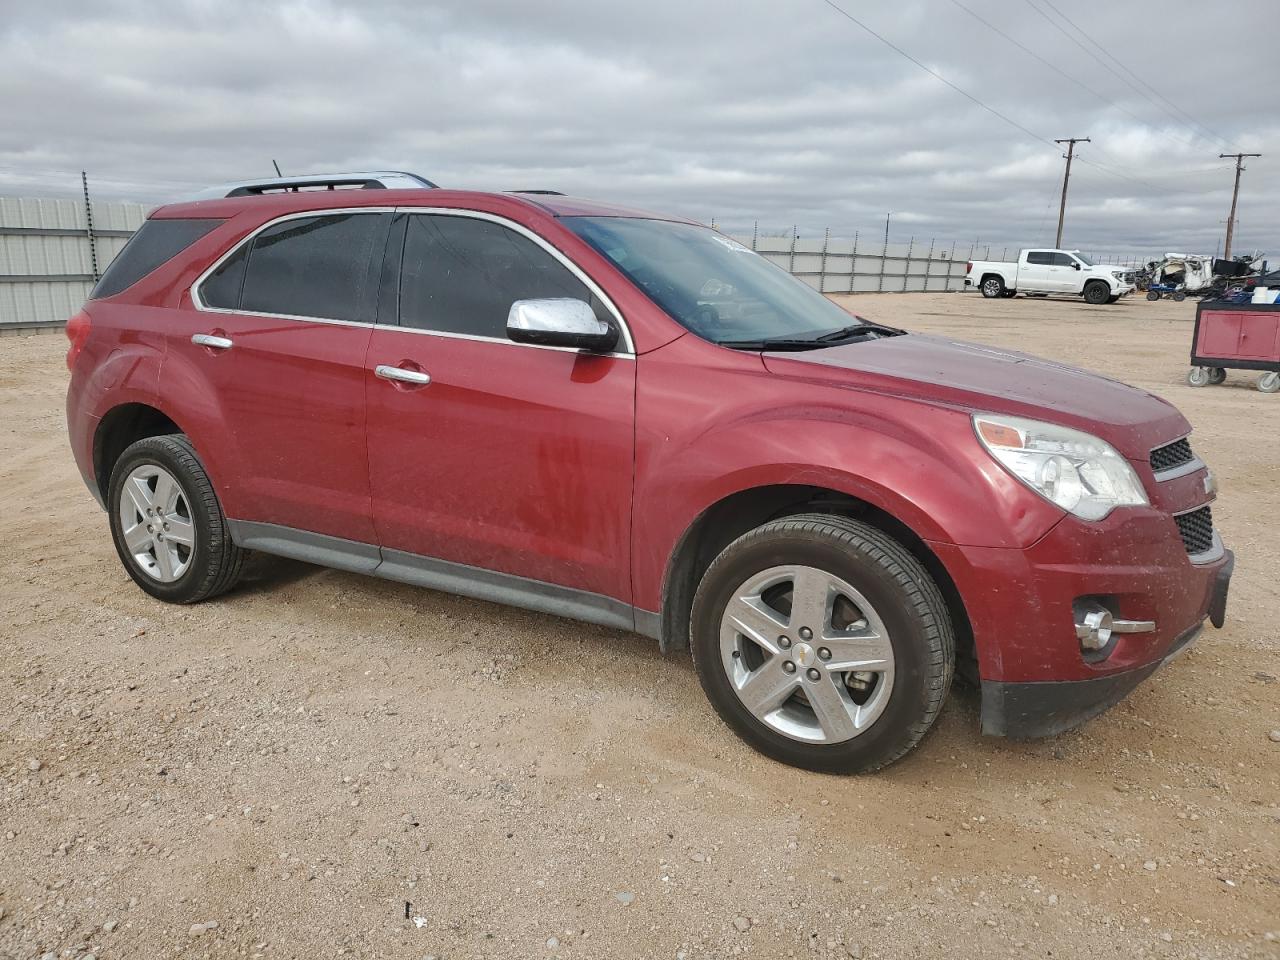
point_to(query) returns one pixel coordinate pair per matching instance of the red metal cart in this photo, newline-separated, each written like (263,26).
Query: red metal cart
(1236,336)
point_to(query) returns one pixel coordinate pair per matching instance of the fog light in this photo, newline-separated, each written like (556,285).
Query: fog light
(1093,625)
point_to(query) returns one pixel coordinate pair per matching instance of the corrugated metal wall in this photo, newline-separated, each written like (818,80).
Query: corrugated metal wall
(46,264)
(862,265)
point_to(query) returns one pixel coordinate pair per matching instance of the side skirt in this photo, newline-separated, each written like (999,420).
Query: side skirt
(442,575)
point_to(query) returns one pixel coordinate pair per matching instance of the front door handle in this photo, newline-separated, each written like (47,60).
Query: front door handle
(211,341)
(418,378)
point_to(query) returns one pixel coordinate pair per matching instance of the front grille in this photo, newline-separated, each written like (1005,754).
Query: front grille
(1171,455)
(1196,530)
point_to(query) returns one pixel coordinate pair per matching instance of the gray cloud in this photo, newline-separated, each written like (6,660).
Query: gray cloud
(785,113)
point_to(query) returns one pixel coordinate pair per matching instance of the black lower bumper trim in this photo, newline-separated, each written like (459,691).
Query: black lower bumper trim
(1025,711)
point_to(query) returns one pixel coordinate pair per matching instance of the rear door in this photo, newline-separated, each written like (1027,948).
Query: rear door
(502,456)
(1038,272)
(270,367)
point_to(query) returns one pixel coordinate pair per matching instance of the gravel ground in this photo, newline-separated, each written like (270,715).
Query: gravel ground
(290,770)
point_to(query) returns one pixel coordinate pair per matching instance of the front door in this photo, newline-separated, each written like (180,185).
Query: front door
(492,454)
(280,333)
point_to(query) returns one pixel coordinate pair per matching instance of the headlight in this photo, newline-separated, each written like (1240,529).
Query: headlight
(1075,470)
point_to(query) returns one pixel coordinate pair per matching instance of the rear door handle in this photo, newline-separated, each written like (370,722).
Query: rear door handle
(416,377)
(211,341)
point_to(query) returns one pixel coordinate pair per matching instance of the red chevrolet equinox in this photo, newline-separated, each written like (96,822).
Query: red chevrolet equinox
(631,420)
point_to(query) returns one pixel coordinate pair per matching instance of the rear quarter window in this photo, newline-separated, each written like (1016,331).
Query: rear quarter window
(155,243)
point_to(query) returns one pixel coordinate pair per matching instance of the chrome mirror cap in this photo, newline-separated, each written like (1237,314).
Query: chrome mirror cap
(560,322)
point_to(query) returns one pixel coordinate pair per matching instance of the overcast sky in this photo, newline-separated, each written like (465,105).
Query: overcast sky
(780,111)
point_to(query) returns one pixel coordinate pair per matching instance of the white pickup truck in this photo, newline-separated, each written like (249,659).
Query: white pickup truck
(1041,272)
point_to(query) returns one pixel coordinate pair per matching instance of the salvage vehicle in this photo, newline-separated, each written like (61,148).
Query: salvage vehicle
(632,420)
(1040,272)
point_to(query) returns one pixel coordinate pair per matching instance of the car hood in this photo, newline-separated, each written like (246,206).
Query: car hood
(979,378)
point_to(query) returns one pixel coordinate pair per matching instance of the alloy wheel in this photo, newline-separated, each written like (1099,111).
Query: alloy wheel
(807,654)
(155,522)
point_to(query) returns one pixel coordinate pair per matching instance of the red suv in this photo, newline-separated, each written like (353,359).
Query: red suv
(632,420)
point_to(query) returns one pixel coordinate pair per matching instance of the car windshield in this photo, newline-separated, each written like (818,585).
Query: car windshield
(1083,259)
(716,287)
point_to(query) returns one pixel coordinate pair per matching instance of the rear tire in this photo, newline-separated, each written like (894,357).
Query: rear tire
(1269,382)
(167,524)
(1179,295)
(1217,375)
(1096,292)
(992,287)
(1152,295)
(870,602)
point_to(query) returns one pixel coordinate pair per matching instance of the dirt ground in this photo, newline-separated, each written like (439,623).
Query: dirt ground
(287,771)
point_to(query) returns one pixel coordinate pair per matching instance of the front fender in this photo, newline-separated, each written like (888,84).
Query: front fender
(919,463)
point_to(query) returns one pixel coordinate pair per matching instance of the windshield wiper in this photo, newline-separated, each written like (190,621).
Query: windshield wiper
(851,334)
(859,331)
(773,343)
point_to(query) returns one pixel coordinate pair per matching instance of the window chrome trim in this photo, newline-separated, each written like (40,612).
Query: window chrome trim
(629,343)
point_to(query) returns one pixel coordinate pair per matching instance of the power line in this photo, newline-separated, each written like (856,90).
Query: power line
(1062,73)
(992,110)
(1111,56)
(937,76)
(1119,76)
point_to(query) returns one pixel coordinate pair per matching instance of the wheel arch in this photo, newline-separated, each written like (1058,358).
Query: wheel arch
(121,426)
(733,515)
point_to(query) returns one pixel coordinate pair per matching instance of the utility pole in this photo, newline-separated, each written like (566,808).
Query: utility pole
(1235,193)
(1066,178)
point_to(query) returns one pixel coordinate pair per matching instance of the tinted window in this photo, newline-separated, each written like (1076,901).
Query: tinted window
(156,242)
(222,288)
(461,275)
(709,283)
(1040,257)
(315,267)
(1063,260)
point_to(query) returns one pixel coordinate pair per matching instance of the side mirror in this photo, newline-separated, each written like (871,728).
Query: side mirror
(1075,264)
(560,322)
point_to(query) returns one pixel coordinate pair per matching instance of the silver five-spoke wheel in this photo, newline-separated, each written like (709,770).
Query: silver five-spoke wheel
(807,654)
(155,522)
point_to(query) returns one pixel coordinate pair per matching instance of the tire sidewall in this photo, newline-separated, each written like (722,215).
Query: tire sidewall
(908,701)
(1091,294)
(155,451)
(992,288)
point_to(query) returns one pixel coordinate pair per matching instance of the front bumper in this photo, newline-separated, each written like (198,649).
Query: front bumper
(1026,710)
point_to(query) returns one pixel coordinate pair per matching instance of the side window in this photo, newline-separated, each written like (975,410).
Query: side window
(322,266)
(1063,260)
(155,242)
(461,275)
(221,289)
(1039,258)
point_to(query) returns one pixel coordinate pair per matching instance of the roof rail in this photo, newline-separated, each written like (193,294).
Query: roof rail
(539,193)
(366,180)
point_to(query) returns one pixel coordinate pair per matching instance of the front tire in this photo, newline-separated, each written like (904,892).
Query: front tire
(1096,292)
(823,643)
(1269,382)
(167,524)
(1152,295)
